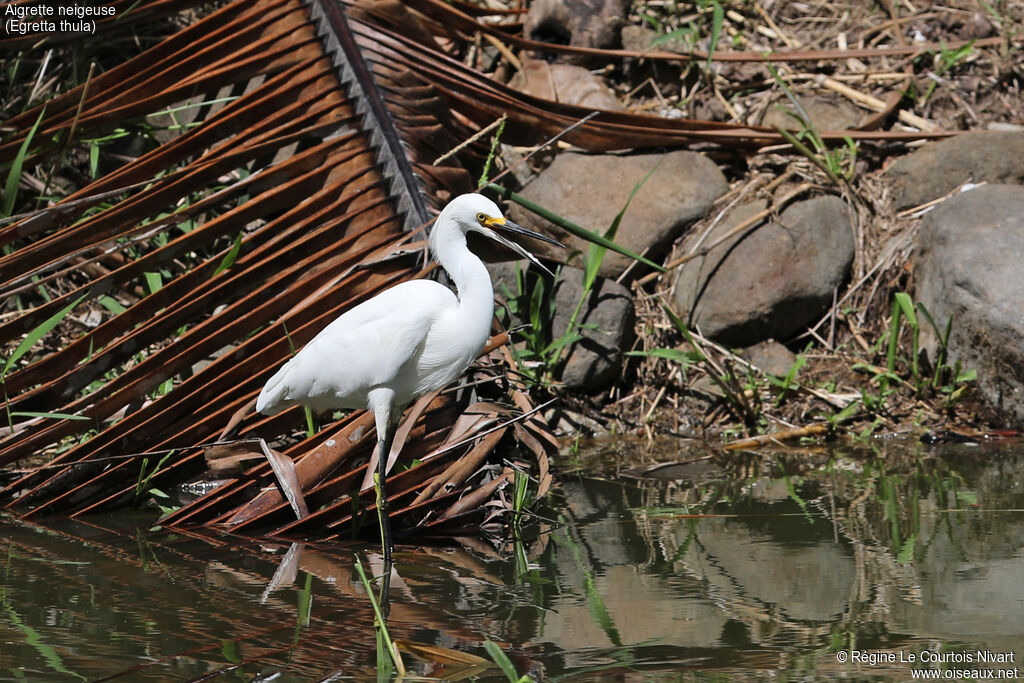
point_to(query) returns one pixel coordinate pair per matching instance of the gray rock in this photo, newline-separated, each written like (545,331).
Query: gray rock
(826,113)
(938,168)
(768,282)
(591,189)
(583,23)
(968,265)
(770,356)
(608,315)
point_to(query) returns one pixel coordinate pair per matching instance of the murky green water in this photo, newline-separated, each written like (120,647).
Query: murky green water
(811,566)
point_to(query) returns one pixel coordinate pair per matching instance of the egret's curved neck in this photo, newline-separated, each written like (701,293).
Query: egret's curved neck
(476,296)
(466,270)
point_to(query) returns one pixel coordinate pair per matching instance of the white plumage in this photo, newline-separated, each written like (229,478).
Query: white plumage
(410,339)
(404,339)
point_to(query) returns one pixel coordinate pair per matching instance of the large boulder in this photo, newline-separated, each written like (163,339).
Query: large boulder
(605,321)
(969,265)
(591,189)
(938,168)
(606,318)
(770,281)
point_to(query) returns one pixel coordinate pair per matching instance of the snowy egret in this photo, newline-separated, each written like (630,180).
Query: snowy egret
(410,339)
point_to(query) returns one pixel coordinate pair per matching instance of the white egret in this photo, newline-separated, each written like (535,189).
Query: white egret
(410,339)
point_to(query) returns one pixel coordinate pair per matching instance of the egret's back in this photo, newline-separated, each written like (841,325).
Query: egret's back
(380,342)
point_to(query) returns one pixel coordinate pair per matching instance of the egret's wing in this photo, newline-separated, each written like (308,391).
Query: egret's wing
(366,347)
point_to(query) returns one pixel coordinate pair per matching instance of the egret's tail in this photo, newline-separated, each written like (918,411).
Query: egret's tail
(273,398)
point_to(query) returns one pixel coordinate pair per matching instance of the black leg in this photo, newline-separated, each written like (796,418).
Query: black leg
(384,448)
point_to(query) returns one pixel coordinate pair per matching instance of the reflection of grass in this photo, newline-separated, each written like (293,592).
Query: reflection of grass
(32,637)
(874,523)
(897,499)
(684,547)
(878,499)
(388,658)
(304,607)
(598,611)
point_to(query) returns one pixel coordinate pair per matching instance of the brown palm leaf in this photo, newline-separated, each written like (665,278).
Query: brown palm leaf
(175,284)
(265,221)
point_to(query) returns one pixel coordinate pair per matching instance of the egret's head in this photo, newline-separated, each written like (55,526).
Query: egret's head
(476,213)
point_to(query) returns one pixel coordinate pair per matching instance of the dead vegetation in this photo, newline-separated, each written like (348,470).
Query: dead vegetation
(860,363)
(181,219)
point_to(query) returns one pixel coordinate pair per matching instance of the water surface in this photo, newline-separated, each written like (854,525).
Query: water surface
(648,564)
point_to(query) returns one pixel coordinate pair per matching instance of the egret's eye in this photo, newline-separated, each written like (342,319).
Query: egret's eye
(482,217)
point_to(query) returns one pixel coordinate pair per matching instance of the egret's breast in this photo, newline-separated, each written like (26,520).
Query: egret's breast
(453,343)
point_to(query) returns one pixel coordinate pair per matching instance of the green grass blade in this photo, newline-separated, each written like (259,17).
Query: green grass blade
(379,621)
(717,19)
(684,358)
(680,325)
(680,34)
(806,151)
(567,339)
(38,333)
(14,175)
(111,304)
(801,113)
(966,376)
(54,416)
(940,356)
(595,255)
(906,305)
(801,360)
(154,282)
(569,226)
(894,337)
(845,414)
(926,314)
(737,399)
(789,383)
(229,258)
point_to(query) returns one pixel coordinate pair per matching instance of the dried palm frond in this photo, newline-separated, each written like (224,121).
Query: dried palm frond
(181,280)
(277,212)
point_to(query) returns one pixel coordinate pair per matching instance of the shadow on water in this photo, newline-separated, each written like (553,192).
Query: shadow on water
(809,565)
